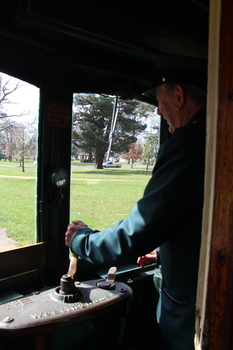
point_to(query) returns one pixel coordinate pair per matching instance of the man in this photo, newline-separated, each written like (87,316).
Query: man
(169,215)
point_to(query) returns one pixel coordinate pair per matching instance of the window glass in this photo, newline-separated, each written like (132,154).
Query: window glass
(19,102)
(114,145)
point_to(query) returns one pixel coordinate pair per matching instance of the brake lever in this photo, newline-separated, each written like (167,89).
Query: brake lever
(73,265)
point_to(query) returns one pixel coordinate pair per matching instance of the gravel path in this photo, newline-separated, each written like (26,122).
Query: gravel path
(6,243)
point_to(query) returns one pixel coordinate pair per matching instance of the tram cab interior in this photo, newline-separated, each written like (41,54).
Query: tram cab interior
(67,47)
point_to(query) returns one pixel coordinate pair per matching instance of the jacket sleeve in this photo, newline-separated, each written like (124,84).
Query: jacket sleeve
(171,199)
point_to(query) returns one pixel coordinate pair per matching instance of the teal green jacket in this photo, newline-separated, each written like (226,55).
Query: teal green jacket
(168,216)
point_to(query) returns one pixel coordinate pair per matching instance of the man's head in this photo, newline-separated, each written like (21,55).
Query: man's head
(180,93)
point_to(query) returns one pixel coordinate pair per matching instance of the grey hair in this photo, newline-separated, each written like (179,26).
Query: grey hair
(197,94)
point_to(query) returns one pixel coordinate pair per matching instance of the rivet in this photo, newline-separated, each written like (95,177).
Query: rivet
(8,319)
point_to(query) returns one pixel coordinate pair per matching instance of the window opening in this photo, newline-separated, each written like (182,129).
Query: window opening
(19,105)
(108,179)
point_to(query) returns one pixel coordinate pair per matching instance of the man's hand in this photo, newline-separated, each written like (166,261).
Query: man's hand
(71,229)
(147,259)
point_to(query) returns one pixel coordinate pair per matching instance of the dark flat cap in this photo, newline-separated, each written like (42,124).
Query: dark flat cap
(178,75)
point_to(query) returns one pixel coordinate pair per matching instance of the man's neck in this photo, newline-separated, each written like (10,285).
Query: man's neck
(190,110)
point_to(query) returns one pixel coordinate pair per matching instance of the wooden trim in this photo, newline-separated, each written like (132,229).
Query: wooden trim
(20,260)
(218,316)
(211,144)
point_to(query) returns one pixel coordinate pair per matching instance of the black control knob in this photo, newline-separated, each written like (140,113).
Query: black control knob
(67,285)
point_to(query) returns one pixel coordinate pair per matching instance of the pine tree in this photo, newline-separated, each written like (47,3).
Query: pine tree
(92,124)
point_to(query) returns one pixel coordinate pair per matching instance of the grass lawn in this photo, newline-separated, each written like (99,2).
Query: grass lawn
(98,197)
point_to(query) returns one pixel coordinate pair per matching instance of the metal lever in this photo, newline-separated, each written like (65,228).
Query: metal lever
(73,265)
(111,274)
(109,282)
(67,283)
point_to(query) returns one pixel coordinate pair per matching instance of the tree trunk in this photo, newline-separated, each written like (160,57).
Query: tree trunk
(90,157)
(99,160)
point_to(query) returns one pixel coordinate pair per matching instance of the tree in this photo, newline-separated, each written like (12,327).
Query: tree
(25,143)
(8,86)
(7,138)
(134,153)
(92,124)
(150,149)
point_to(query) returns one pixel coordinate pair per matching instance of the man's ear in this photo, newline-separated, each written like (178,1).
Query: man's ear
(180,96)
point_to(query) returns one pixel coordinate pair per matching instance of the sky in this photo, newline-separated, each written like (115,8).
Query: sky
(23,100)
